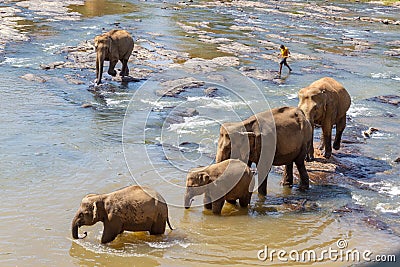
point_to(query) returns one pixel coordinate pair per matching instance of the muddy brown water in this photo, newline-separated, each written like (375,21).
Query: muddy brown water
(53,151)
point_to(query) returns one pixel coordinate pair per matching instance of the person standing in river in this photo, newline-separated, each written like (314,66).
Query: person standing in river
(284,55)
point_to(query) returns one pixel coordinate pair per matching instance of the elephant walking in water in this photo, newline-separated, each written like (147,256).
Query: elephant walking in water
(325,102)
(279,136)
(113,46)
(228,180)
(133,208)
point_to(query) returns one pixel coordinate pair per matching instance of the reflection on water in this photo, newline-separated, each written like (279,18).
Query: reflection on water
(96,8)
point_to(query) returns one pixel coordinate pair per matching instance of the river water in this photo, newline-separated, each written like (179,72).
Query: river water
(53,151)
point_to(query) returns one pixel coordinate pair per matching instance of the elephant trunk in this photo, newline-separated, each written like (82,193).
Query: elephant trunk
(75,227)
(99,68)
(223,153)
(188,198)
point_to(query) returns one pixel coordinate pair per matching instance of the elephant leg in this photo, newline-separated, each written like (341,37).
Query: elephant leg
(158,226)
(322,143)
(327,132)
(287,178)
(304,179)
(207,202)
(310,149)
(111,69)
(125,69)
(245,201)
(262,188)
(217,205)
(339,131)
(110,232)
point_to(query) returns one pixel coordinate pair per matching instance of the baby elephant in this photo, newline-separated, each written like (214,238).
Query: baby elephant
(228,180)
(133,208)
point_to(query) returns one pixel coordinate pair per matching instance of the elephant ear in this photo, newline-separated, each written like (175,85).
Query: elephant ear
(97,210)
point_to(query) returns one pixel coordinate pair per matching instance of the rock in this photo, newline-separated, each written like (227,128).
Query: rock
(125,79)
(397,160)
(87,105)
(174,87)
(247,68)
(211,91)
(262,75)
(73,80)
(237,49)
(247,28)
(33,78)
(389,115)
(300,205)
(386,99)
(369,132)
(200,65)
(350,207)
(375,223)
(188,147)
(57,64)
(395,52)
(216,77)
(177,115)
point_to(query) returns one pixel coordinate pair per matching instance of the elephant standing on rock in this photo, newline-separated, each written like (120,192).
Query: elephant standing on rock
(325,102)
(228,180)
(133,208)
(113,46)
(279,136)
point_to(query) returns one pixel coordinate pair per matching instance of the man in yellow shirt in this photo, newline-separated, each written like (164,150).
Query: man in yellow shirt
(284,55)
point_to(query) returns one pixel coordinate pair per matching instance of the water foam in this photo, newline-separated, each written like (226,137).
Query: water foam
(387,208)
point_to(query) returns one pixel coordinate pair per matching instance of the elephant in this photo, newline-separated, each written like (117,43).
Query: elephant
(132,208)
(227,180)
(113,46)
(325,103)
(279,136)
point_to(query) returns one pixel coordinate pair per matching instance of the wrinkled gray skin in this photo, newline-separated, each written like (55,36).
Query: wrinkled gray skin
(228,180)
(113,46)
(251,141)
(133,208)
(325,103)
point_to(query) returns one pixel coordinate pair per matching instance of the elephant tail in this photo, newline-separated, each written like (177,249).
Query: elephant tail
(169,224)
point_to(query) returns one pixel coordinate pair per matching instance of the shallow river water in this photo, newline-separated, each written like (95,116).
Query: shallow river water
(53,151)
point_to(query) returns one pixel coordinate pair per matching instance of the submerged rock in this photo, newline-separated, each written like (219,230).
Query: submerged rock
(33,78)
(178,115)
(211,91)
(395,52)
(262,75)
(173,88)
(53,65)
(386,99)
(87,105)
(375,223)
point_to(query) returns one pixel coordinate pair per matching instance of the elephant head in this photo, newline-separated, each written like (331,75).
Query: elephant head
(235,142)
(313,103)
(90,212)
(196,184)
(102,44)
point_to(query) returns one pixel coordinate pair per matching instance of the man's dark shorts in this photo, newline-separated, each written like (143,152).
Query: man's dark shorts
(283,61)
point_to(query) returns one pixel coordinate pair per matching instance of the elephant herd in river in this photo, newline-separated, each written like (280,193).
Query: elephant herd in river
(280,136)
